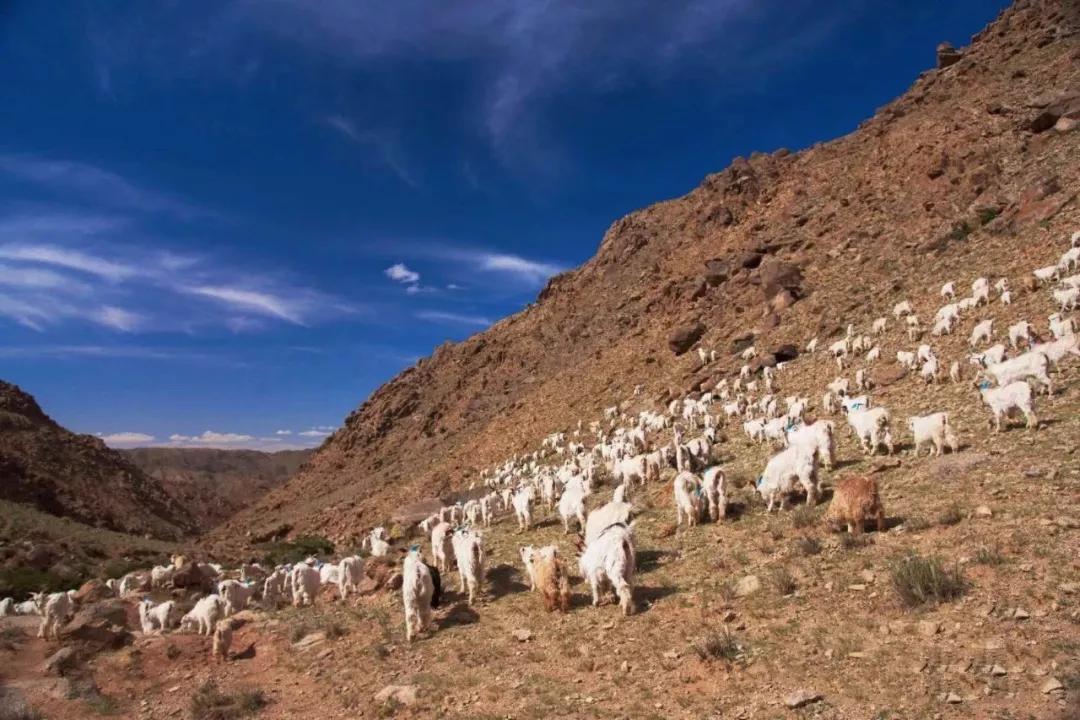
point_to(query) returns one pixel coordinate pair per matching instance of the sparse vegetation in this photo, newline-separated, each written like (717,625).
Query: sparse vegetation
(950,516)
(808,546)
(296,550)
(989,555)
(11,637)
(19,582)
(850,541)
(916,523)
(717,644)
(209,703)
(18,711)
(987,215)
(921,580)
(782,581)
(804,516)
(960,230)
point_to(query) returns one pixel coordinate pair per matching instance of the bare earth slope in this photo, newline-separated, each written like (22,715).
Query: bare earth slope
(966,166)
(213,485)
(49,468)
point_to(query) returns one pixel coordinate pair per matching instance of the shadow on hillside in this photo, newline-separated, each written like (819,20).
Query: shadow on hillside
(648,560)
(247,653)
(504,580)
(459,615)
(735,510)
(645,597)
(890,523)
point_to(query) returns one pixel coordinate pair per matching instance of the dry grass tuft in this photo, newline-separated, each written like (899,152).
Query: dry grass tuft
(919,581)
(209,703)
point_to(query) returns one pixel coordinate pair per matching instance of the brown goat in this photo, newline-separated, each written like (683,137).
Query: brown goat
(551,580)
(855,501)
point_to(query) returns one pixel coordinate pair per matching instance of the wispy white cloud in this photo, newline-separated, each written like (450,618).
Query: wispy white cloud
(29,277)
(65,177)
(117,318)
(283,432)
(439,316)
(120,352)
(387,150)
(263,303)
(209,437)
(126,439)
(314,433)
(532,271)
(69,259)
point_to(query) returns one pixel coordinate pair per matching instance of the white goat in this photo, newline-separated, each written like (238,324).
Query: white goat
(469,555)
(785,472)
(203,618)
(305,583)
(417,594)
(56,608)
(1029,366)
(350,574)
(1002,401)
(156,618)
(688,500)
(933,429)
(982,332)
(872,428)
(609,559)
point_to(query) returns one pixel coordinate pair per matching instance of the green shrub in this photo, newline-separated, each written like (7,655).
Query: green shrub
(19,582)
(296,550)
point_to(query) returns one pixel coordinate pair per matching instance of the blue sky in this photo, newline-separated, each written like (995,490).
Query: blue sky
(226,223)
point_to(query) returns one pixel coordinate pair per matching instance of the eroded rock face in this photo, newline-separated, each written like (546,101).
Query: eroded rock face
(100,626)
(682,339)
(947,55)
(837,228)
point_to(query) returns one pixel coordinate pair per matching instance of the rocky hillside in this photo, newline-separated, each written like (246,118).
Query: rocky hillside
(978,157)
(51,469)
(214,485)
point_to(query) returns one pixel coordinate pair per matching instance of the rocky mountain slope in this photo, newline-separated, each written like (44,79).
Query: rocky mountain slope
(47,467)
(213,485)
(978,160)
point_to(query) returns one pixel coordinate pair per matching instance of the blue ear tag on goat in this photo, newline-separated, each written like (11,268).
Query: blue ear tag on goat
(984,385)
(759,480)
(414,548)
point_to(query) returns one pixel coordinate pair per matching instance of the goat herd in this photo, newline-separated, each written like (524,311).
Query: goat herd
(634,449)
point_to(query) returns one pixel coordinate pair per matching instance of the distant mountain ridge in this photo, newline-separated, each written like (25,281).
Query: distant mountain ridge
(213,484)
(52,469)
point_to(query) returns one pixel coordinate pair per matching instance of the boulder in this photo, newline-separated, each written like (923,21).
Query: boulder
(749,259)
(777,276)
(716,271)
(400,694)
(782,301)
(93,591)
(947,55)
(1067,108)
(888,375)
(747,585)
(190,576)
(683,338)
(99,626)
(785,353)
(60,661)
